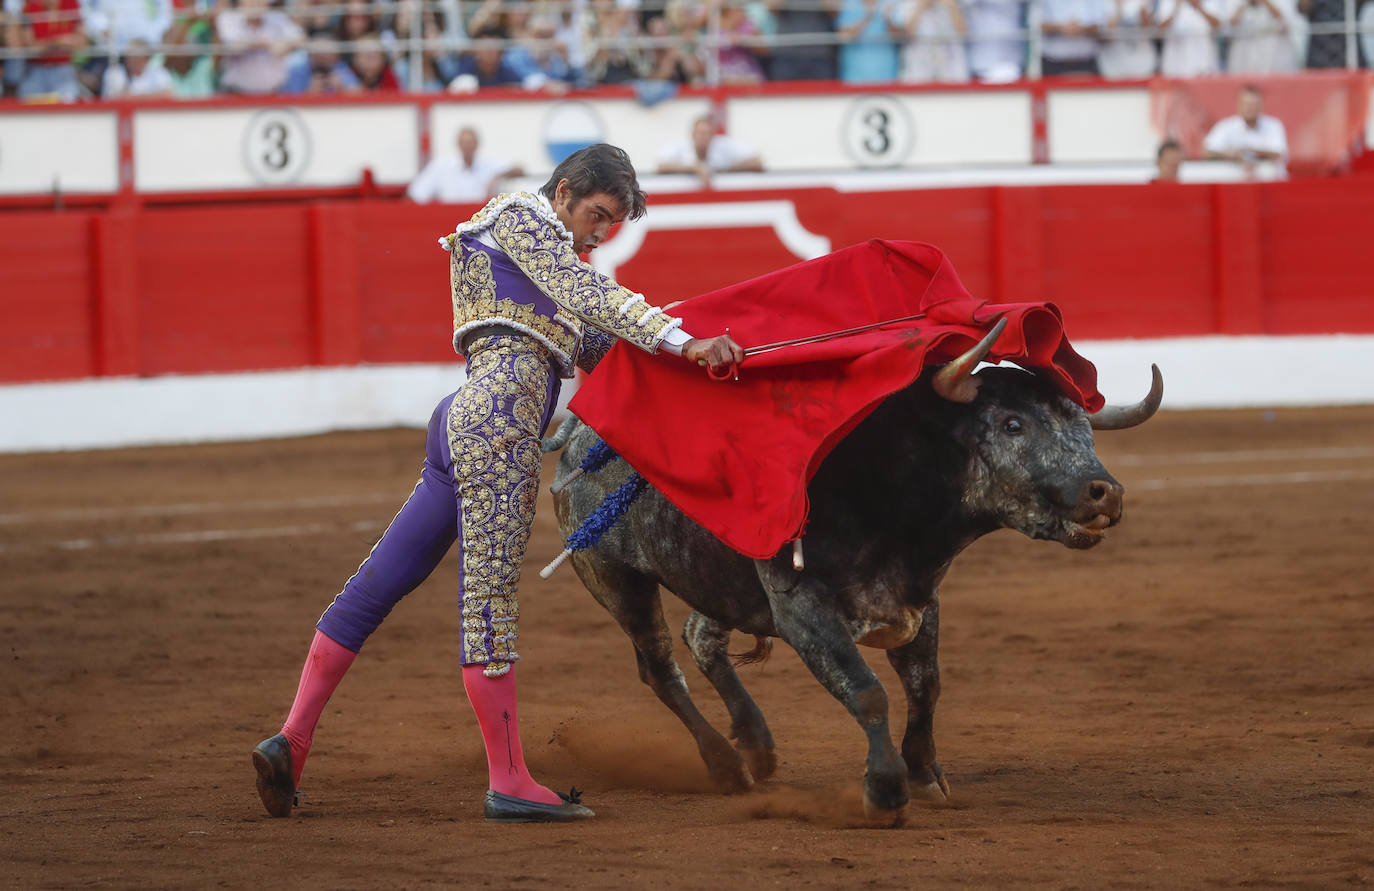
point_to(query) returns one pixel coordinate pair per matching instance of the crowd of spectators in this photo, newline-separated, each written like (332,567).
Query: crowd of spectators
(70,49)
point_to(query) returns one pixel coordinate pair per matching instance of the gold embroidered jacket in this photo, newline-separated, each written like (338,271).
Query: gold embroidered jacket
(536,284)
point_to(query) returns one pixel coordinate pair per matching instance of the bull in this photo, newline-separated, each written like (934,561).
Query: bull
(952,457)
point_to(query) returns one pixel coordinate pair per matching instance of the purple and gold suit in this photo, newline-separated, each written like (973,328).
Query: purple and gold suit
(526,313)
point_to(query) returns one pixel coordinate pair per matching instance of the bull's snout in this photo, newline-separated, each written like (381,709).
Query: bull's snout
(1102,498)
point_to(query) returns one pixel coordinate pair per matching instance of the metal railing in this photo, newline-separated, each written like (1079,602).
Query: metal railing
(580,17)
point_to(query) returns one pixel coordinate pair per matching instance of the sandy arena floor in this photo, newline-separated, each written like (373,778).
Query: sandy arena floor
(1191,704)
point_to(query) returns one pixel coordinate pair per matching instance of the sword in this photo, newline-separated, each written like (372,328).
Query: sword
(733,370)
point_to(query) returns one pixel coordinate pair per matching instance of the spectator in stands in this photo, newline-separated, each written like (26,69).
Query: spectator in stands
(1190,37)
(868,51)
(1249,136)
(439,66)
(1260,39)
(540,55)
(311,15)
(1168,160)
(1070,32)
(934,31)
(117,22)
(11,70)
(616,60)
(53,31)
(489,66)
(369,62)
(706,153)
(257,42)
(996,53)
(193,76)
(323,70)
(1128,51)
(358,22)
(736,63)
(468,178)
(672,62)
(1324,50)
(1365,21)
(136,75)
(812,62)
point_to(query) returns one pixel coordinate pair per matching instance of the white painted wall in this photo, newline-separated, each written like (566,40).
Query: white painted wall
(77,152)
(1100,126)
(1208,372)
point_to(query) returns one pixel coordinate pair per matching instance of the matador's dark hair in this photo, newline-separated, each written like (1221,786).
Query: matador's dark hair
(599,168)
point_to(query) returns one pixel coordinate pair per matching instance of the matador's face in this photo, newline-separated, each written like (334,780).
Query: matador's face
(589,219)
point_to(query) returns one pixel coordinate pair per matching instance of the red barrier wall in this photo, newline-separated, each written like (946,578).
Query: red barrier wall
(248,287)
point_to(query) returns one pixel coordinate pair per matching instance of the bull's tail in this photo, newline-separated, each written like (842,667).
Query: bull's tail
(763,648)
(561,435)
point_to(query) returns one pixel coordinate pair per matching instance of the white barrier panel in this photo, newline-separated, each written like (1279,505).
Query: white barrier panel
(189,150)
(71,151)
(537,135)
(1201,372)
(882,130)
(1100,126)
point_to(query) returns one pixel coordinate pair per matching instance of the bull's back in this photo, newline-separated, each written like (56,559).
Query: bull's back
(656,541)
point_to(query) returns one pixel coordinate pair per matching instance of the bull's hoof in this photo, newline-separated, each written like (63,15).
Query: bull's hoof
(935,792)
(763,763)
(883,817)
(930,786)
(728,769)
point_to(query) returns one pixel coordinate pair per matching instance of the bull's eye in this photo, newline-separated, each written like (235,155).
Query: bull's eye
(1012,426)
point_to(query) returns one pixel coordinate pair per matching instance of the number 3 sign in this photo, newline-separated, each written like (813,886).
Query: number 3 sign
(877,132)
(276,146)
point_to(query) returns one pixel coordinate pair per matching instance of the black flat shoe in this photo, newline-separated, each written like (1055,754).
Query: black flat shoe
(276,783)
(500,808)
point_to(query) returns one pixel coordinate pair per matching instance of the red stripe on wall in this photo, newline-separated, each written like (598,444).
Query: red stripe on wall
(158,290)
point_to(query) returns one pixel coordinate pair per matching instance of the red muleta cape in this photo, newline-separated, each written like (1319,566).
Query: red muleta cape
(736,456)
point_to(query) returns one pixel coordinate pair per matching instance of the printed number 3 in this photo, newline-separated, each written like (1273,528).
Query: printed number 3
(878,140)
(277,156)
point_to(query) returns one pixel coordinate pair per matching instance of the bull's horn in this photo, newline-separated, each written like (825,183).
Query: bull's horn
(1119,417)
(955,381)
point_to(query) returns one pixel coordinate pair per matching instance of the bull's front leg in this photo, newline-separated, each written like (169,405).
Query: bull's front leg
(918,665)
(807,617)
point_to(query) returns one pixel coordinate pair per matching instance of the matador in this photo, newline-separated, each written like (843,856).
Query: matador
(527,312)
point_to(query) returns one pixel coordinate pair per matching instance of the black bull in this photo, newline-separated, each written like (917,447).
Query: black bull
(937,465)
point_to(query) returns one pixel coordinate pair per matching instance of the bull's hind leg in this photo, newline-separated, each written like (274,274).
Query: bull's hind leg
(918,666)
(709,642)
(806,616)
(633,599)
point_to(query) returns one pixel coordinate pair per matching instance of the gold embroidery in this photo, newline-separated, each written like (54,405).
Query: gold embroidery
(476,303)
(493,428)
(577,288)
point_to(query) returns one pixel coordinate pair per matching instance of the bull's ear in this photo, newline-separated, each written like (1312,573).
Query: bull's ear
(956,381)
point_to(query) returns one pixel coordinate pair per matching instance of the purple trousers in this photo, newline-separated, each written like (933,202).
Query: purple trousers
(492,424)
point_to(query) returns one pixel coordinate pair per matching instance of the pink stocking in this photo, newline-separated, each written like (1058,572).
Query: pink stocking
(325,666)
(493,701)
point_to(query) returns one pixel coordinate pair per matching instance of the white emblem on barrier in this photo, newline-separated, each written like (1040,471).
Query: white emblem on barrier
(276,146)
(780,216)
(878,132)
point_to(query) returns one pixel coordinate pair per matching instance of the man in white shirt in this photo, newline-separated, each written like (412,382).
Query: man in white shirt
(466,179)
(1071,31)
(708,152)
(137,76)
(996,42)
(1248,137)
(257,42)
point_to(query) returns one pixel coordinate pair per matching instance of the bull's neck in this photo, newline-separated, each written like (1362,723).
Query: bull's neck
(893,489)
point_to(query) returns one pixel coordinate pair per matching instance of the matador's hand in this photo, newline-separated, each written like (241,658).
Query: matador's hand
(716,353)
